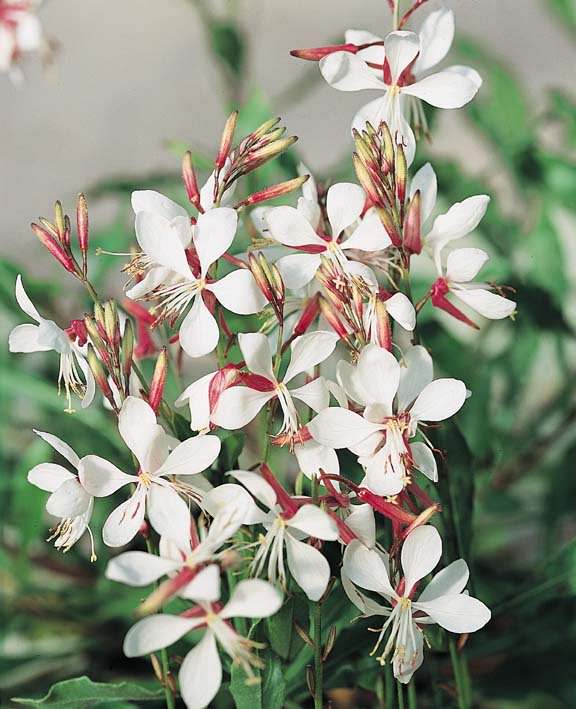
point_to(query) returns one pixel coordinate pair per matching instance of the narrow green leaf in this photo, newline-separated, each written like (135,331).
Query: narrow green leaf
(82,692)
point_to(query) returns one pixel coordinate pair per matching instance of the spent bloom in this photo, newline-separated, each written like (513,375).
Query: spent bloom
(408,611)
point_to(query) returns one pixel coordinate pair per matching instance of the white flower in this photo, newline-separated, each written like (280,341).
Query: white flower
(443,601)
(286,525)
(238,405)
(405,59)
(200,676)
(297,228)
(68,500)
(47,336)
(167,511)
(462,266)
(395,401)
(162,243)
(20,32)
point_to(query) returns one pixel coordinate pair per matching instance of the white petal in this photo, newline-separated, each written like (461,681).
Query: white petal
(101,478)
(156,632)
(207,192)
(402,310)
(69,500)
(314,522)
(344,204)
(389,108)
(313,457)
(169,514)
(364,604)
(238,405)
(424,460)
(309,350)
(490,305)
(415,374)
(360,37)
(347,72)
(314,394)
(225,524)
(370,235)
(458,614)
(446,89)
(223,496)
(191,456)
(379,373)
(448,582)
(255,348)
(239,293)
(138,427)
(28,32)
(213,235)
(297,270)
(401,49)
(257,486)
(463,265)
(24,301)
(362,522)
(366,568)
(406,663)
(155,277)
(161,240)
(349,380)
(290,228)
(253,598)
(138,568)
(124,522)
(380,479)
(24,339)
(426,183)
(461,219)
(439,400)
(436,37)
(49,476)
(340,428)
(60,446)
(420,554)
(308,567)
(310,210)
(90,391)
(467,72)
(197,396)
(205,586)
(152,201)
(199,330)
(200,676)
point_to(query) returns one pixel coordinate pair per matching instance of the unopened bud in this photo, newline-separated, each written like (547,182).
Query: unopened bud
(59,219)
(82,227)
(111,324)
(67,232)
(308,316)
(265,128)
(383,328)
(365,179)
(273,191)
(127,348)
(277,283)
(226,140)
(314,54)
(330,314)
(190,181)
(95,335)
(388,223)
(158,382)
(99,375)
(259,156)
(412,232)
(387,143)
(401,174)
(260,277)
(56,249)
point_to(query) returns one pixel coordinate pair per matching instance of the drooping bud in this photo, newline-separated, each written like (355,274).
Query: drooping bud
(388,509)
(66,260)
(190,181)
(314,54)
(273,191)
(412,232)
(226,141)
(158,381)
(82,227)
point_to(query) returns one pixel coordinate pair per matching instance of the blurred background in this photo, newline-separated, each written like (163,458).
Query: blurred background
(132,85)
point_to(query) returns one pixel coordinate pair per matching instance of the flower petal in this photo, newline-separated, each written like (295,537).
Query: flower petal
(156,632)
(197,395)
(169,514)
(205,586)
(256,350)
(406,663)
(402,310)
(347,72)
(340,428)
(448,582)
(192,456)
(24,339)
(439,400)
(314,522)
(199,331)
(461,219)
(252,598)
(69,500)
(309,350)
(60,446)
(490,305)
(426,183)
(463,265)
(124,522)
(152,201)
(370,235)
(289,227)
(101,478)
(401,48)
(200,676)
(297,270)
(314,394)
(313,457)
(137,426)
(161,240)
(366,568)
(24,301)
(224,495)
(238,405)
(420,554)
(436,37)
(344,205)
(458,614)
(239,293)
(138,568)
(49,476)
(379,373)
(446,89)
(308,567)
(416,373)
(257,486)
(424,460)
(213,235)
(362,522)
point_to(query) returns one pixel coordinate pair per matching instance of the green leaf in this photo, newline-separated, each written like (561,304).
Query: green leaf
(269,691)
(228,45)
(82,692)
(565,10)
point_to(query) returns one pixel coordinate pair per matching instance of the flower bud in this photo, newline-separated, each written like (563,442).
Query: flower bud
(82,227)
(390,226)
(383,328)
(401,174)
(330,314)
(226,140)
(273,191)
(265,128)
(190,181)
(309,314)
(100,376)
(47,240)
(387,143)
(127,349)
(365,179)
(258,157)
(59,219)
(412,232)
(111,323)
(314,54)
(158,381)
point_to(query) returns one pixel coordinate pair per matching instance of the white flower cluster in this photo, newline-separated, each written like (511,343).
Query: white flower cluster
(334,363)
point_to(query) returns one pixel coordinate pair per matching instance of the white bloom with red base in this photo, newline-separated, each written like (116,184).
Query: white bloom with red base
(443,601)
(154,494)
(405,59)
(212,236)
(456,279)
(200,675)
(68,500)
(238,405)
(46,336)
(297,228)
(286,523)
(20,32)
(395,402)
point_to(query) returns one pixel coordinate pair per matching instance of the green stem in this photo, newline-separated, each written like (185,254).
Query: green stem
(169,697)
(388,685)
(412,700)
(399,695)
(318,669)
(460,675)
(91,291)
(396,14)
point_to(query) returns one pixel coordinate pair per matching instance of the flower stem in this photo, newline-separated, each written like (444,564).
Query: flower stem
(399,695)
(170,704)
(412,700)
(460,675)
(396,14)
(318,669)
